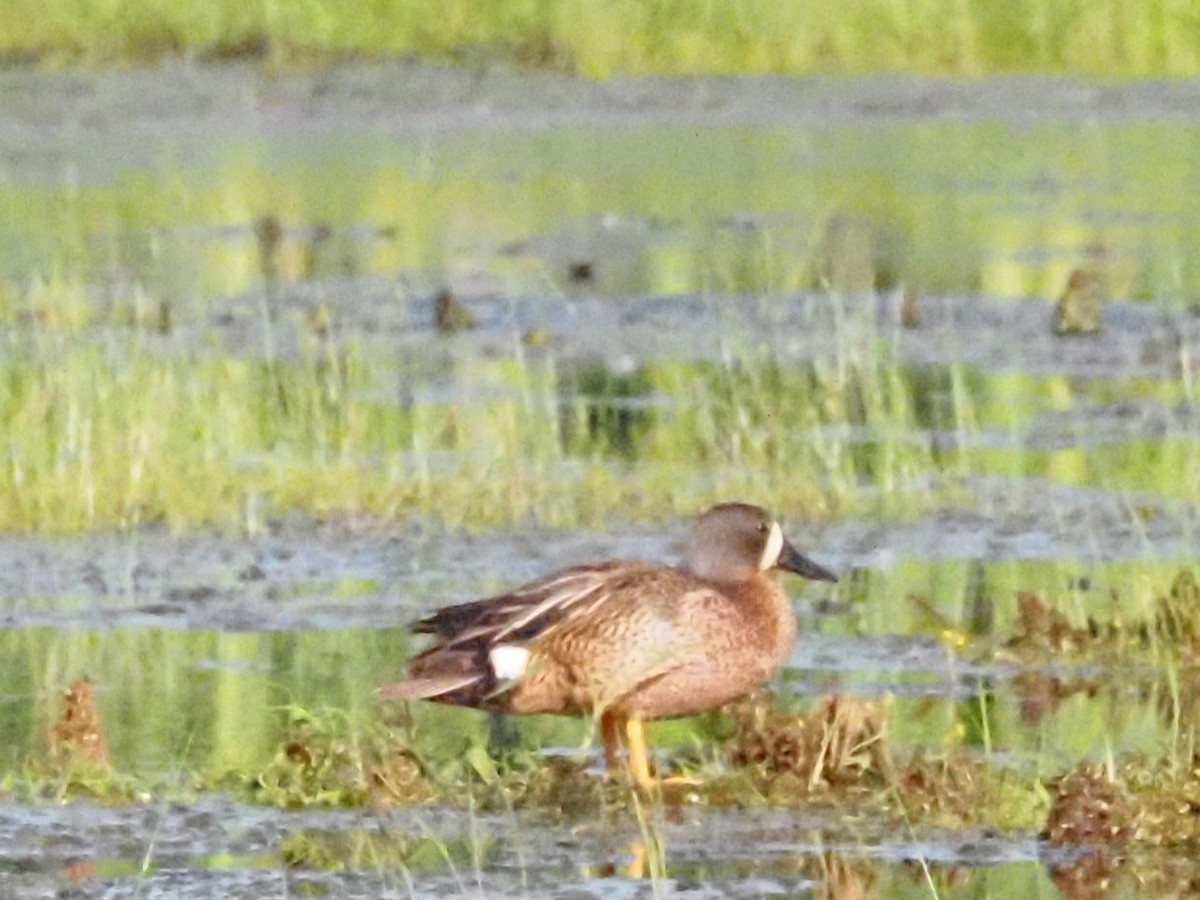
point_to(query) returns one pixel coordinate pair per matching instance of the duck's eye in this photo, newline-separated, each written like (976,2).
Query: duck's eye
(763,527)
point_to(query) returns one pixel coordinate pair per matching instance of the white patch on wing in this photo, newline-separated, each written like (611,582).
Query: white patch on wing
(773,548)
(508,661)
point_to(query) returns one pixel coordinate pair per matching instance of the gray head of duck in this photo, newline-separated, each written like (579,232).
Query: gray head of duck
(736,541)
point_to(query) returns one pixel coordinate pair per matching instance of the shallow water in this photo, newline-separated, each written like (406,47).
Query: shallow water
(642,280)
(216,848)
(240,629)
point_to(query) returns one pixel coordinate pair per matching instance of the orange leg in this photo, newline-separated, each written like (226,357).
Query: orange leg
(613,727)
(610,730)
(639,764)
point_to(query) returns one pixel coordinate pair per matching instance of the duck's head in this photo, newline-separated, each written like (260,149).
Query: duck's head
(736,541)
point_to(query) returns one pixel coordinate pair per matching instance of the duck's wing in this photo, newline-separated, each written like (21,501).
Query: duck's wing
(481,647)
(531,609)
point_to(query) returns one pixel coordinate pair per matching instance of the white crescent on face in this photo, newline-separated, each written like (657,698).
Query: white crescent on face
(772,549)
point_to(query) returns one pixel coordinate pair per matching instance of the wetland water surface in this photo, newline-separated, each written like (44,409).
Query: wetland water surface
(219,300)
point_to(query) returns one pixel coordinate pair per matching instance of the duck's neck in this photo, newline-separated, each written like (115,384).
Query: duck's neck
(769,608)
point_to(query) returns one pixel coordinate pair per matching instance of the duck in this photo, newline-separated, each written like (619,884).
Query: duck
(624,641)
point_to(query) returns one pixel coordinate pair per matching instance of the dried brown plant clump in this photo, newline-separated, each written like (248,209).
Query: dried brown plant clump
(1097,875)
(1089,809)
(581,271)
(1147,802)
(1090,877)
(559,786)
(1177,700)
(78,735)
(268,232)
(839,742)
(1166,794)
(908,308)
(1042,632)
(80,871)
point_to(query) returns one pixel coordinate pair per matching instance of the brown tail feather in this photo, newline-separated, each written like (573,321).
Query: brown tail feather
(427,688)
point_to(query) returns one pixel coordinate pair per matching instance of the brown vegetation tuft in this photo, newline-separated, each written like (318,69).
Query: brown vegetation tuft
(1089,808)
(839,742)
(78,735)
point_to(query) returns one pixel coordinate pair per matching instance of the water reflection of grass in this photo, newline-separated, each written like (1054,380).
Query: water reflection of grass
(782,209)
(619,36)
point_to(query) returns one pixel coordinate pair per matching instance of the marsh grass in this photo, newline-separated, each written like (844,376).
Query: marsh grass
(1124,37)
(112,423)
(117,426)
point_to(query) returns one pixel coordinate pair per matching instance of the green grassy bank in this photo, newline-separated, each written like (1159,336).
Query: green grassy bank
(1123,38)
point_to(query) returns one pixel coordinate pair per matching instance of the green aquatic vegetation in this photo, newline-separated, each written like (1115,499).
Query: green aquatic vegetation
(780,212)
(385,850)
(1156,638)
(1177,614)
(326,761)
(136,428)
(835,758)
(557,787)
(623,37)
(962,790)
(36,782)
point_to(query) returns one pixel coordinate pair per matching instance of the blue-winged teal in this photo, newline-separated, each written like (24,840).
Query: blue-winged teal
(624,641)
